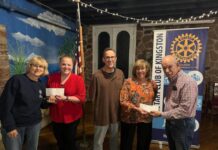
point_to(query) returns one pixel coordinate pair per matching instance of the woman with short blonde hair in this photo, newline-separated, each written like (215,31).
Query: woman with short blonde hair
(135,91)
(40,61)
(141,63)
(21,101)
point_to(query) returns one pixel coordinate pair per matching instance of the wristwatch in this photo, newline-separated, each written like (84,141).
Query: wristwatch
(67,98)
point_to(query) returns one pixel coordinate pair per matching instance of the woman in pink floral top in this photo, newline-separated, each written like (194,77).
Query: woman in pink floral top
(136,90)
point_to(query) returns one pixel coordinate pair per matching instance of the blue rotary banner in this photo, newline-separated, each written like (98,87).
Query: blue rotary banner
(189,46)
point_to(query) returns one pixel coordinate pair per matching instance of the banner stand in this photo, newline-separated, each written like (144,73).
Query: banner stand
(188,45)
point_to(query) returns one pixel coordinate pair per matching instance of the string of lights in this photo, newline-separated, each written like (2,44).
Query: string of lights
(145,19)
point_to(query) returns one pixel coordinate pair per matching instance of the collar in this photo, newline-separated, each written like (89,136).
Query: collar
(173,79)
(108,75)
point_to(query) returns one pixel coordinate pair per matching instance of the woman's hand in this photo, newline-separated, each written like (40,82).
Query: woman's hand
(59,97)
(52,99)
(143,112)
(72,99)
(13,133)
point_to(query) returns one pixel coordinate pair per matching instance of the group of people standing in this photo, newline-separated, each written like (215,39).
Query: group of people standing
(117,100)
(116,104)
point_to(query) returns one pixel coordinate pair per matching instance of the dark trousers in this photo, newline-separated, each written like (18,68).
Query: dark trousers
(65,135)
(144,134)
(180,133)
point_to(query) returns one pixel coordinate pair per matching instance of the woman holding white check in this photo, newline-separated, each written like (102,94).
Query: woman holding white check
(67,110)
(135,91)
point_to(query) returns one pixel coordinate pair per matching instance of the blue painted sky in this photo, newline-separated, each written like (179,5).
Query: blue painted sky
(37,37)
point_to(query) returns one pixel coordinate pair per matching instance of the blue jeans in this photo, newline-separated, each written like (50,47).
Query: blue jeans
(180,133)
(31,134)
(100,133)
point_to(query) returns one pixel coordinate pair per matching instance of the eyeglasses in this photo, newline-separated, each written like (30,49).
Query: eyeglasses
(109,57)
(37,66)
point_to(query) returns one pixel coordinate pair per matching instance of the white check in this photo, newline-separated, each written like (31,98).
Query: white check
(149,108)
(54,91)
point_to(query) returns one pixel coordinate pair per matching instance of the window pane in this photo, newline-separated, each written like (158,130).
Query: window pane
(103,42)
(123,39)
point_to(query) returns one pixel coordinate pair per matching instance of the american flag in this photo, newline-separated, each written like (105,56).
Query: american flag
(79,54)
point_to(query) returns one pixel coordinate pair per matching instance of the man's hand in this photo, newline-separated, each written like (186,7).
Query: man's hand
(13,133)
(155,113)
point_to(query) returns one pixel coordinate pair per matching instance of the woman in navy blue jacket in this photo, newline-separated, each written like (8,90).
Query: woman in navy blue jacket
(21,100)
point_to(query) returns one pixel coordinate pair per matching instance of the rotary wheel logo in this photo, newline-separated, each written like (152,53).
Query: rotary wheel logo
(186,47)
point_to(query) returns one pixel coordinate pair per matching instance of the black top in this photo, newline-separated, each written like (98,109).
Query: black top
(108,75)
(21,101)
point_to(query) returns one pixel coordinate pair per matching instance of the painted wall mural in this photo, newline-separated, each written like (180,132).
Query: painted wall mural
(33,30)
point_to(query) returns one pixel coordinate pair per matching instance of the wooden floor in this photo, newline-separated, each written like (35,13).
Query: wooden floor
(208,134)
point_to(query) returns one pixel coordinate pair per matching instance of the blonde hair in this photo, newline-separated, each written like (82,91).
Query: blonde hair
(38,60)
(141,63)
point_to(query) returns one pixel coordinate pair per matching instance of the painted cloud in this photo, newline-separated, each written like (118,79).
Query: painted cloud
(34,41)
(48,17)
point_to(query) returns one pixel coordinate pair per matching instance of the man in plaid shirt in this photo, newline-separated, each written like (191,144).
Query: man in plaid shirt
(180,105)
